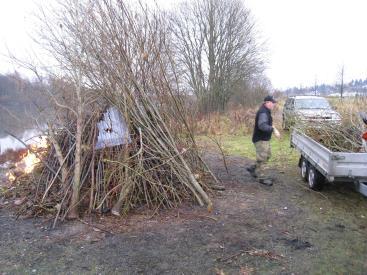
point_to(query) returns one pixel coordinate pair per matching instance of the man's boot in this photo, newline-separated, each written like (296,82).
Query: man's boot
(252,171)
(266,181)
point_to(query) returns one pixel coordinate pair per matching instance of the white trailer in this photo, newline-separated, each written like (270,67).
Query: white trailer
(318,163)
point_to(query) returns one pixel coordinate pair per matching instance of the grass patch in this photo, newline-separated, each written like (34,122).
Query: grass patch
(282,154)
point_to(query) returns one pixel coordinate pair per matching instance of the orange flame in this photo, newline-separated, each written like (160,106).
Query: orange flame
(29,160)
(10,176)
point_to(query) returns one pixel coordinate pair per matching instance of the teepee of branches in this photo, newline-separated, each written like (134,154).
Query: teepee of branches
(110,55)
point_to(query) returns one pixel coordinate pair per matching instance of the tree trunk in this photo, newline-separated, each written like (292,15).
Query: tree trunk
(60,157)
(73,211)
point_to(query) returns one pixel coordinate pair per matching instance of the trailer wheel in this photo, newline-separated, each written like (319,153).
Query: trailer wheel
(315,179)
(304,165)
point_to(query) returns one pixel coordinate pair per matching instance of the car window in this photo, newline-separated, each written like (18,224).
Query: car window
(312,103)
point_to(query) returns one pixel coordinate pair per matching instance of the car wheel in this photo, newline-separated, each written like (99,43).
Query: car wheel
(315,179)
(304,169)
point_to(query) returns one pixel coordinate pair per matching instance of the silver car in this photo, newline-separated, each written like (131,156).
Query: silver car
(308,109)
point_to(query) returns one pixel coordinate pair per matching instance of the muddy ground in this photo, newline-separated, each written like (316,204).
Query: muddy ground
(254,229)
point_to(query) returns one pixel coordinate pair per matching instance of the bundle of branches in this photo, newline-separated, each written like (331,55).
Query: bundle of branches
(338,137)
(116,58)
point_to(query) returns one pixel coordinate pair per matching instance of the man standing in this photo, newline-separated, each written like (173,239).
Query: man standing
(261,138)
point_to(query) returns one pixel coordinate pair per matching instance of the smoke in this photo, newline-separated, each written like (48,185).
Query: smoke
(29,136)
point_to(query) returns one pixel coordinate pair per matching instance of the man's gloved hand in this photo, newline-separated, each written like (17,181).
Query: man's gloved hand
(276,132)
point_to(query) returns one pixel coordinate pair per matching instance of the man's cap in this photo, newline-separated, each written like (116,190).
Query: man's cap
(270,98)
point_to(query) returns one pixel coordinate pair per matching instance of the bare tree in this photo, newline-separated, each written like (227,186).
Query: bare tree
(68,86)
(250,93)
(217,48)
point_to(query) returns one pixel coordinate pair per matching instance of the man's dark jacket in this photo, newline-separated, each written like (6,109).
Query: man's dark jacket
(263,125)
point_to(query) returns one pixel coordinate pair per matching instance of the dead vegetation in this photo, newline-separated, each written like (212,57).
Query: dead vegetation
(337,138)
(345,136)
(116,57)
(239,121)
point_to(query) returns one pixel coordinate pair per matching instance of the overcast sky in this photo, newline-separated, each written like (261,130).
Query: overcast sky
(308,40)
(311,39)
(14,23)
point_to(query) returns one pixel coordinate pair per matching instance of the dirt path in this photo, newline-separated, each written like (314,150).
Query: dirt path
(282,229)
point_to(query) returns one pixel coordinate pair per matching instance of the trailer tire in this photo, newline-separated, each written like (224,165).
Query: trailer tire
(304,166)
(315,179)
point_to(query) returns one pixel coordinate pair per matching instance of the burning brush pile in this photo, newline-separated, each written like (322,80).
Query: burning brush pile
(119,163)
(22,162)
(117,130)
(18,165)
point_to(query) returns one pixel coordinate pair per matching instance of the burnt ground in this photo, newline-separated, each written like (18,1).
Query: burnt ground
(253,229)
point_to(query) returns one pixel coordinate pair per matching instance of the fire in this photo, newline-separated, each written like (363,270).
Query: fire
(28,162)
(10,176)
(32,157)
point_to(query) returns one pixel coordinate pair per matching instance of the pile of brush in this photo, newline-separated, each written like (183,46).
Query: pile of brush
(151,167)
(345,136)
(116,63)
